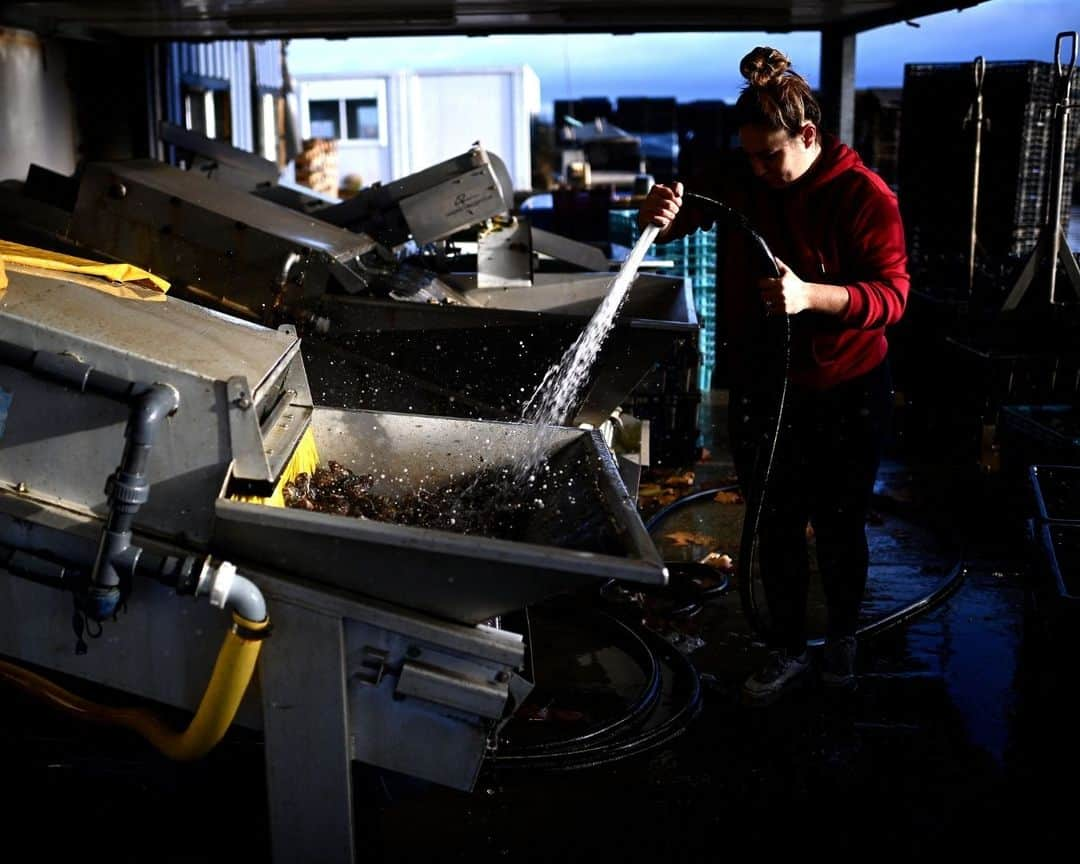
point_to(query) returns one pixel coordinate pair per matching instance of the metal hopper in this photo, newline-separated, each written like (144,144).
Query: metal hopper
(587,529)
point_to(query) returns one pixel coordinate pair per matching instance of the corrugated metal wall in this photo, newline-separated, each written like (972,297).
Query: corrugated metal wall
(216,65)
(268,67)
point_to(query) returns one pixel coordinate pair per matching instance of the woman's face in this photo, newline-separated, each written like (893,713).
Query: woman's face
(777,157)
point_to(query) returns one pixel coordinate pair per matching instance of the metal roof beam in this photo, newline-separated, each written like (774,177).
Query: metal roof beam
(900,12)
(230,19)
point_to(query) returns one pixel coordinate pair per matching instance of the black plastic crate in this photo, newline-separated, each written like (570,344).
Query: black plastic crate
(646,114)
(987,376)
(1056,489)
(668,397)
(936,156)
(674,436)
(1040,434)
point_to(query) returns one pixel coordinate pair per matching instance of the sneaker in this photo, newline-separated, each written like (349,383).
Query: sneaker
(838,663)
(779,672)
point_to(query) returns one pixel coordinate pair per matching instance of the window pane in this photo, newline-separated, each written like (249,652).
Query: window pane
(222,116)
(362,116)
(325,120)
(195,110)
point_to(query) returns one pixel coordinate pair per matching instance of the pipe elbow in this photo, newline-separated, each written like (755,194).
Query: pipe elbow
(229,589)
(156,403)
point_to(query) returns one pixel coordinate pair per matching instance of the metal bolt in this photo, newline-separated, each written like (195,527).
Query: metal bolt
(502,676)
(243,402)
(22,488)
(117,191)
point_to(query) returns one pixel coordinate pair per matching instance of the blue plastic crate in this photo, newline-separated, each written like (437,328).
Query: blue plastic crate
(693,257)
(704,378)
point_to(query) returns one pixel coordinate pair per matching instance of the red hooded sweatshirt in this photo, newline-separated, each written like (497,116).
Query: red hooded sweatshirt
(838,224)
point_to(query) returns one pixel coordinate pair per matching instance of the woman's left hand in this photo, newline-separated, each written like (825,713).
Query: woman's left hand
(786,295)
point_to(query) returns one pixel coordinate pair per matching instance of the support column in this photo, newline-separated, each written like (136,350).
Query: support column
(838,83)
(305,718)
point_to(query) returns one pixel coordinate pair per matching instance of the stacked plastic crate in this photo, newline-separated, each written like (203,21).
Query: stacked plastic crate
(693,257)
(936,162)
(701,269)
(670,396)
(988,363)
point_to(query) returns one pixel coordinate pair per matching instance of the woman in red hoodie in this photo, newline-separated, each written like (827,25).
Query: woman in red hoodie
(835,230)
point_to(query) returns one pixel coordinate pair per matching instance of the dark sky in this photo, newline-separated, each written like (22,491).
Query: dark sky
(703,66)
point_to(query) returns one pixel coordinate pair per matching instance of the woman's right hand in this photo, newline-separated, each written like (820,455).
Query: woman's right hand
(661,206)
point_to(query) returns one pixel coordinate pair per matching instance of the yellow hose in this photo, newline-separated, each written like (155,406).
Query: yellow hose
(228,682)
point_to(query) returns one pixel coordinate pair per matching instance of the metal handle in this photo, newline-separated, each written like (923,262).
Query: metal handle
(1058,67)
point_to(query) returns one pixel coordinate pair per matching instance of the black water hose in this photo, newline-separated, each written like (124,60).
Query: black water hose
(894,619)
(127,488)
(640,706)
(757,488)
(662,514)
(704,594)
(918,607)
(681,696)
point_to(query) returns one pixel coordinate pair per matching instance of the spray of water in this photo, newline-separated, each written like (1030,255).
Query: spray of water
(555,400)
(490,501)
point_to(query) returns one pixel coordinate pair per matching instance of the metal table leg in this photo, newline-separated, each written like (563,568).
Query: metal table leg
(308,761)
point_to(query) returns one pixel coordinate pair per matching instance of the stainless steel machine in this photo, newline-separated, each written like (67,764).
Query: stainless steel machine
(378,333)
(429,205)
(229,248)
(485,359)
(382,647)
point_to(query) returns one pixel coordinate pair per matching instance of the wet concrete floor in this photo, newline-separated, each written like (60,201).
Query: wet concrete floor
(958,739)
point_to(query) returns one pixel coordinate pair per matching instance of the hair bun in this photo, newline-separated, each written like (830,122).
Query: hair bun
(764,65)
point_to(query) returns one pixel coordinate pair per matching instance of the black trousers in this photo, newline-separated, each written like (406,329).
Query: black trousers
(823,473)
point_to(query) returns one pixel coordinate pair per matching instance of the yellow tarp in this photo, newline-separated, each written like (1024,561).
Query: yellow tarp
(112,278)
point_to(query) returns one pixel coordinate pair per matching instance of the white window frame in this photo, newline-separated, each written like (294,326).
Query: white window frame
(209,111)
(268,126)
(341,90)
